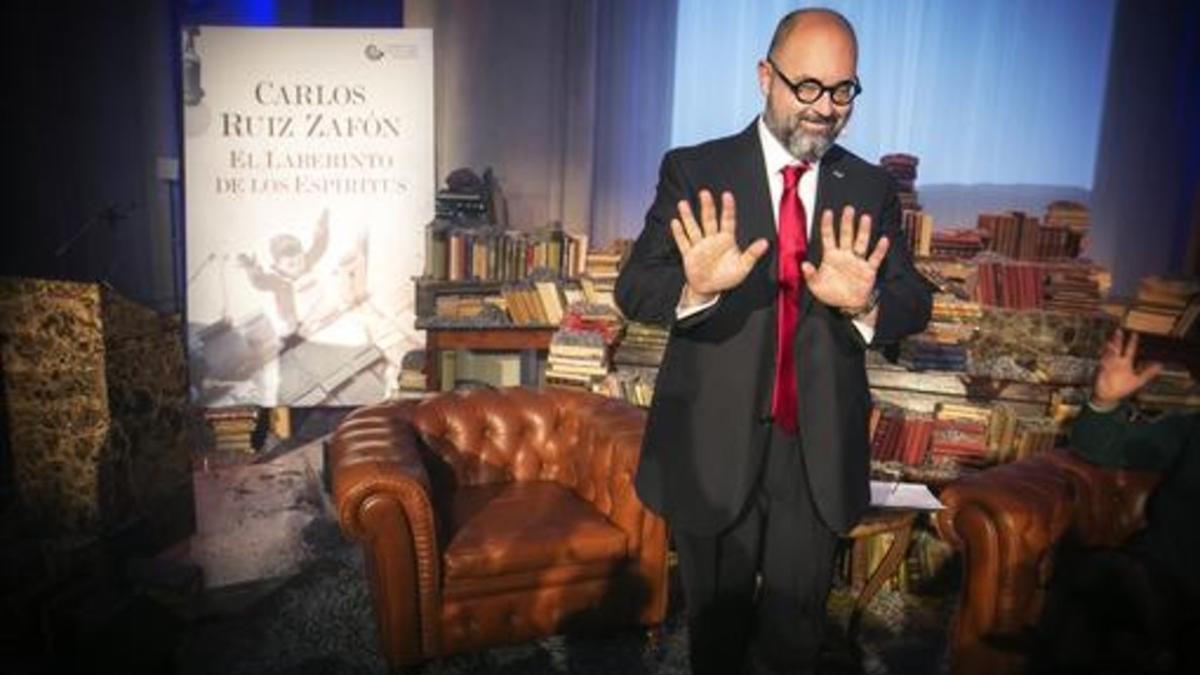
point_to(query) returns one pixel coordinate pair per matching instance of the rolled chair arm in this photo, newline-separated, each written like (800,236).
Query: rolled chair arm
(1005,522)
(614,429)
(383,498)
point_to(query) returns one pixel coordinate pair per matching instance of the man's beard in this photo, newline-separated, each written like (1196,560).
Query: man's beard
(804,145)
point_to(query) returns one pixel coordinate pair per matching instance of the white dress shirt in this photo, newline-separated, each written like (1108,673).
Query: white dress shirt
(775,159)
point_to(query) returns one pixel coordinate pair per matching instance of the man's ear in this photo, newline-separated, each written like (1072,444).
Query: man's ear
(764,78)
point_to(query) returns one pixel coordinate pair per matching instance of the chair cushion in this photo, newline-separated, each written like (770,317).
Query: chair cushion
(507,528)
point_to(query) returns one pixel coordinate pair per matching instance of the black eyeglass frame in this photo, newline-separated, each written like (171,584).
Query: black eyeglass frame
(795,87)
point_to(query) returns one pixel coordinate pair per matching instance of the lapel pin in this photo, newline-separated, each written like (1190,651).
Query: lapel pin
(838,174)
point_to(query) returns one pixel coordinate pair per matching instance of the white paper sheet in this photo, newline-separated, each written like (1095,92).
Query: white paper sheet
(895,495)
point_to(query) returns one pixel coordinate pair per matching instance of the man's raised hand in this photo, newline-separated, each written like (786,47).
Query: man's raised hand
(847,274)
(712,261)
(1117,378)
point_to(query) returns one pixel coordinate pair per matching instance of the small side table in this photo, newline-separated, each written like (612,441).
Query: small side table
(877,521)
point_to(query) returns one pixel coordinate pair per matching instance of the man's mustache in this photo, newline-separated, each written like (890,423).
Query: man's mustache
(817,118)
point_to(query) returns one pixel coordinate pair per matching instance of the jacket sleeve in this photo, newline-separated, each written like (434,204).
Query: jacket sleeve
(1113,439)
(905,297)
(651,282)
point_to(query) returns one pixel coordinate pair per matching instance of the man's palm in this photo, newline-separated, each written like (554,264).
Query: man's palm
(712,261)
(847,274)
(1117,378)
(714,264)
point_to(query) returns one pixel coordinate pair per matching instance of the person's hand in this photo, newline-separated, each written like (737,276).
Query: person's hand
(1117,378)
(847,274)
(712,261)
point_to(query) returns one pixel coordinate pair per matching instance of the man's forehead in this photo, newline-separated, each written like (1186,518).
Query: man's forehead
(816,48)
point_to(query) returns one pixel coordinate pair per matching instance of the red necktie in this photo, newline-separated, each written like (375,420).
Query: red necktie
(793,244)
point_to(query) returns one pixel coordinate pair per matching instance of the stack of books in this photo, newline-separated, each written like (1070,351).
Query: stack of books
(601,269)
(1033,435)
(960,435)
(642,344)
(632,384)
(1071,289)
(577,358)
(236,429)
(1175,388)
(903,169)
(1065,228)
(918,231)
(957,243)
(596,317)
(948,275)
(1010,285)
(900,436)
(1012,234)
(934,352)
(950,308)
(1165,306)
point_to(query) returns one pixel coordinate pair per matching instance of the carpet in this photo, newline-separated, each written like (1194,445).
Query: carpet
(320,620)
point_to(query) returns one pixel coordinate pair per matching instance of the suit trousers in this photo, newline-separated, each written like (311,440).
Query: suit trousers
(756,592)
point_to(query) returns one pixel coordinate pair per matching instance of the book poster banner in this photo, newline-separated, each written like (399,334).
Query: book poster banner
(309,178)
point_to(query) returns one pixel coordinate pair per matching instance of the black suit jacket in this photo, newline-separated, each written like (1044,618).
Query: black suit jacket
(709,419)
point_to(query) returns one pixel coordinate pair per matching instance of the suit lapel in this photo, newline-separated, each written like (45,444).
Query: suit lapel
(756,218)
(832,195)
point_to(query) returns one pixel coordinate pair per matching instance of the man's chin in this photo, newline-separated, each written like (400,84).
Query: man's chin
(810,148)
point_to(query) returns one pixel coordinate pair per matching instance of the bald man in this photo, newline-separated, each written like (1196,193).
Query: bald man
(775,257)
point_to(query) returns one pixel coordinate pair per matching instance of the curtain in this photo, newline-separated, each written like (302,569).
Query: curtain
(569,103)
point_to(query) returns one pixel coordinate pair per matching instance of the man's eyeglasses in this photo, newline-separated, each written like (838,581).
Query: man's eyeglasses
(810,91)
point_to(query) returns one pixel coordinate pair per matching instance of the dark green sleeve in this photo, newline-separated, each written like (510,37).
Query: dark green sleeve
(1111,439)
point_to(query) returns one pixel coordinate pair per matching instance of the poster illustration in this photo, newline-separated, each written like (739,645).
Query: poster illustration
(309,178)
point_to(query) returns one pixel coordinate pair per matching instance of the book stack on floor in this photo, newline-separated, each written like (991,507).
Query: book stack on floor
(235,429)
(599,277)
(578,357)
(635,363)
(596,317)
(642,344)
(1166,306)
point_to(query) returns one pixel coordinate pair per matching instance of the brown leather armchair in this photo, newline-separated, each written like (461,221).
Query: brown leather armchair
(1007,521)
(496,516)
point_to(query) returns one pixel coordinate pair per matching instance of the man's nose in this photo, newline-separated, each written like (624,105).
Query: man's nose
(824,105)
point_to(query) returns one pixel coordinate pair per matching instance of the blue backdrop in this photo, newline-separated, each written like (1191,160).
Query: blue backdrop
(986,91)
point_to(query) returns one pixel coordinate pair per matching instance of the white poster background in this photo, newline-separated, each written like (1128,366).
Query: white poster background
(309,178)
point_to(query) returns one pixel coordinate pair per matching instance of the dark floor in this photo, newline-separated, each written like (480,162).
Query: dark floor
(283,592)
